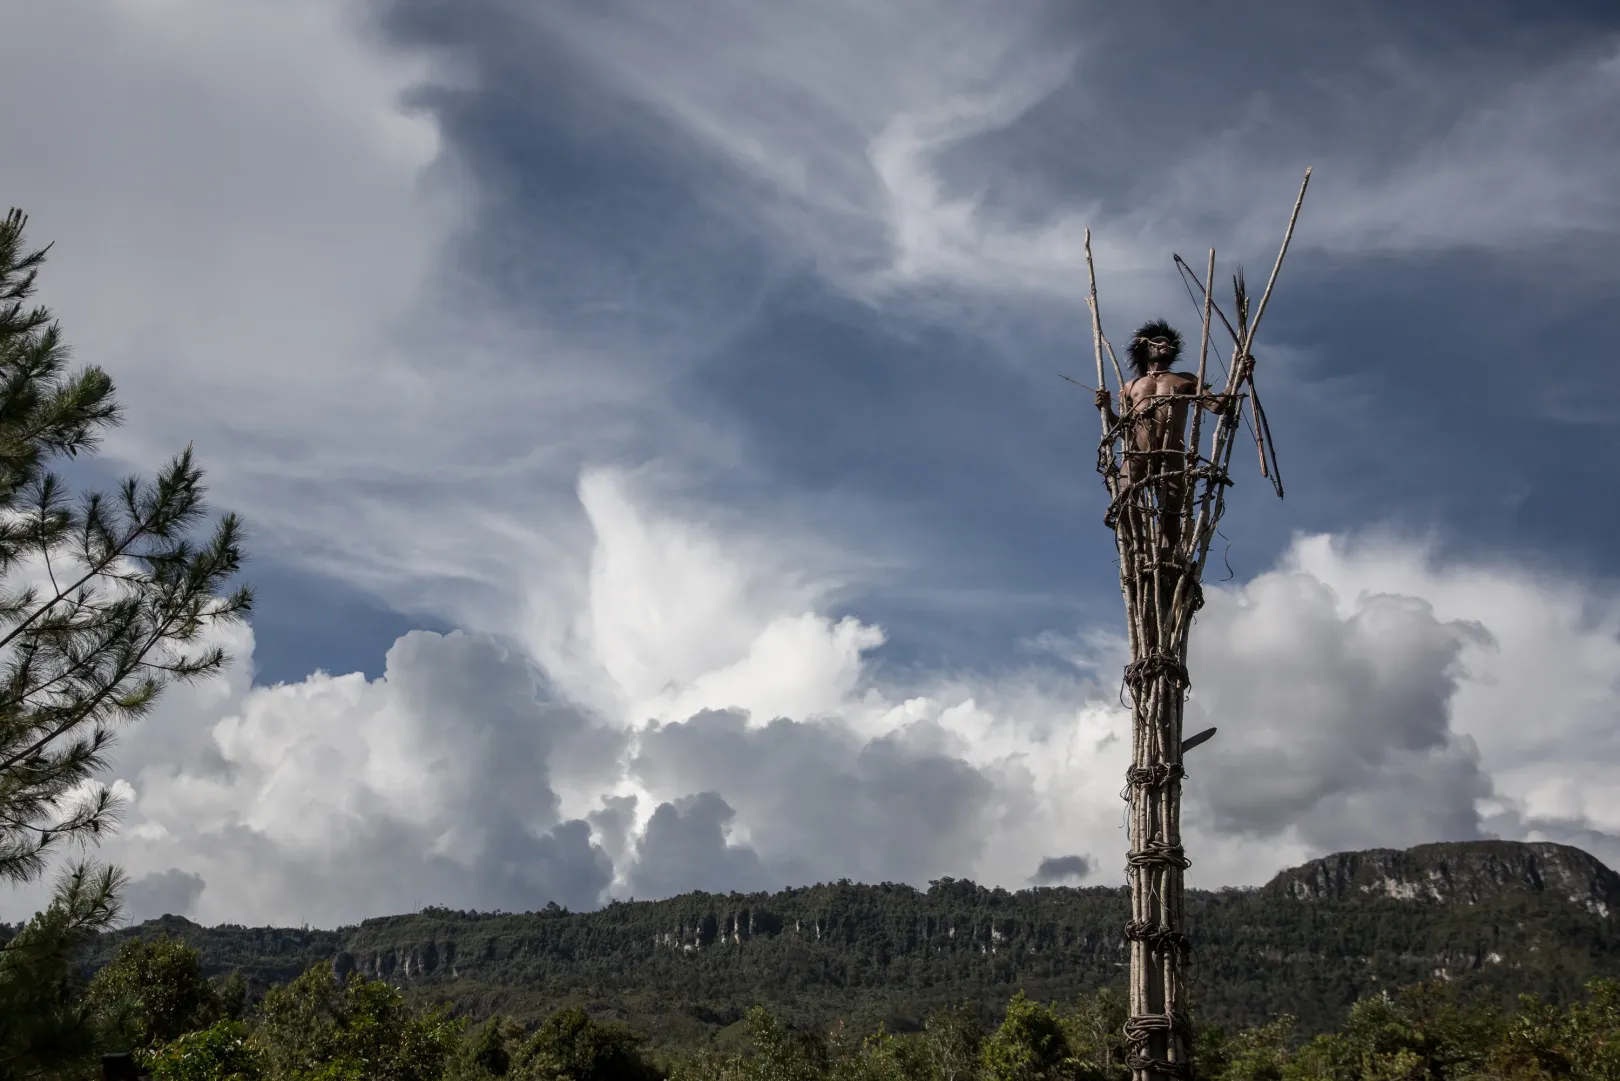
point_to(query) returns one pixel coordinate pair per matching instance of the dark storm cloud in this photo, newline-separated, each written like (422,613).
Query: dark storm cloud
(163,893)
(1055,869)
(684,848)
(820,803)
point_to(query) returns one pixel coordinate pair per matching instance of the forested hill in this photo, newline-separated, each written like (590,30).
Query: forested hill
(1501,916)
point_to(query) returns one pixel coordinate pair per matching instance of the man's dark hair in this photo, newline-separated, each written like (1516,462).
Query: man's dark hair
(1158,328)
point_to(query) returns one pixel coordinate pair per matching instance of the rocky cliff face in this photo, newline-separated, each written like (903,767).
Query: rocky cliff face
(1459,873)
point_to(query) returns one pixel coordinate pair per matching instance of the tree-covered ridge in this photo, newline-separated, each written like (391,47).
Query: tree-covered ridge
(154,1000)
(683,968)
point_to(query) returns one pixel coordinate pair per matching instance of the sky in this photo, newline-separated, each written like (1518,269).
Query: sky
(649,424)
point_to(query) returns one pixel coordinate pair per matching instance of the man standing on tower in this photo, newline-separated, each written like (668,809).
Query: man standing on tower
(1155,446)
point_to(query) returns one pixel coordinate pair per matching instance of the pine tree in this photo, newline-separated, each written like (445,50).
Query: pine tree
(104,600)
(47,1027)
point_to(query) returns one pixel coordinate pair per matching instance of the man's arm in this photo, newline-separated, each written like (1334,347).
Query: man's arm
(1218,403)
(1223,402)
(1189,386)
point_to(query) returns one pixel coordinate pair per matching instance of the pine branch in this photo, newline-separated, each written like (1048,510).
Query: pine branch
(128,591)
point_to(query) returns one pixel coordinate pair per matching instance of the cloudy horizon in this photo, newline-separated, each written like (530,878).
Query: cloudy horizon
(659,475)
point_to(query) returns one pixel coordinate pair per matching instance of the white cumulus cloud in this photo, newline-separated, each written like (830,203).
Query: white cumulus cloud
(1366,695)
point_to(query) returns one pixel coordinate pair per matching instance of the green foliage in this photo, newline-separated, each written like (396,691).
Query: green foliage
(683,969)
(774,1053)
(221,1052)
(318,1028)
(47,1027)
(1096,1033)
(486,1050)
(1431,1032)
(1592,1035)
(1443,1034)
(1210,1050)
(1542,1042)
(233,996)
(571,1046)
(154,992)
(952,1042)
(880,1056)
(1258,1054)
(1030,1045)
(781,1054)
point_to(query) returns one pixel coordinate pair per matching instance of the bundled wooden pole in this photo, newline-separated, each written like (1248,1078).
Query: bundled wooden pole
(1159,575)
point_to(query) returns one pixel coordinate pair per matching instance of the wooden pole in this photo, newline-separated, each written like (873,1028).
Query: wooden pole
(1194,441)
(1096,328)
(1293,219)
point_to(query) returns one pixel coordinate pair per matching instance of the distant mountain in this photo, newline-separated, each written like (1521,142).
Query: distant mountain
(1473,872)
(1499,917)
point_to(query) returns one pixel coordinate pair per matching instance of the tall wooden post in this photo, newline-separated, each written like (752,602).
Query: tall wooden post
(1159,575)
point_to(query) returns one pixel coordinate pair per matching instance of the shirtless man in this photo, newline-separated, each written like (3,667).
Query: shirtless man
(1159,432)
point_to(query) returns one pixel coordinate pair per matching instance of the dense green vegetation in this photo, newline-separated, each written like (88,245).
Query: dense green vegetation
(680,970)
(154,999)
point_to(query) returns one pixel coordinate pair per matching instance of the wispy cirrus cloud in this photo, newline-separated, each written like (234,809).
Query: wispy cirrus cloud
(904,148)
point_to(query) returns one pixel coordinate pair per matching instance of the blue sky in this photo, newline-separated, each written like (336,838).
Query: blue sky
(675,359)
